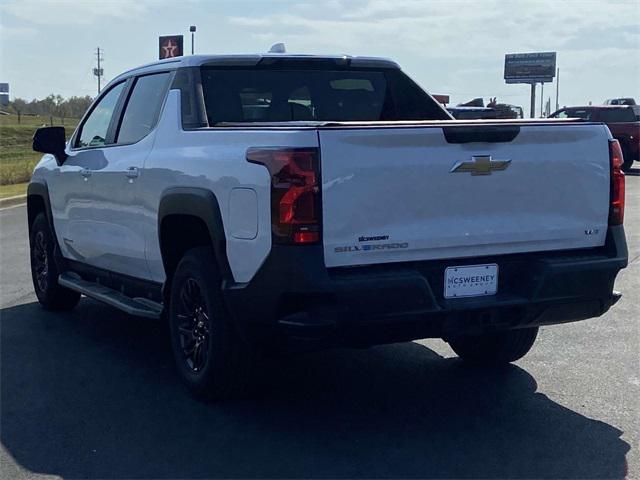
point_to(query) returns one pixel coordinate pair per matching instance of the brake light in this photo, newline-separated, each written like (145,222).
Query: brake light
(295,192)
(616,205)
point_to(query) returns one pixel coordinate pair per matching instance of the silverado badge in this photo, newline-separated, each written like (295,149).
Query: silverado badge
(480,165)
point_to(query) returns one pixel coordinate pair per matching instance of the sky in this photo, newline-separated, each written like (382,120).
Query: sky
(449,47)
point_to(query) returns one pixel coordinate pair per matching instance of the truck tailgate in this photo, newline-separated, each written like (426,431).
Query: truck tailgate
(409,193)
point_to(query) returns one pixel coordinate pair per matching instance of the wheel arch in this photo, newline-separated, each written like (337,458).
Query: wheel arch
(38,202)
(196,212)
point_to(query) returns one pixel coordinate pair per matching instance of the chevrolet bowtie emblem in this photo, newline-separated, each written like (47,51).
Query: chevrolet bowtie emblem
(480,165)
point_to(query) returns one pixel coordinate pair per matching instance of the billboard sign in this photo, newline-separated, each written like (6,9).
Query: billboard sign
(170,46)
(537,67)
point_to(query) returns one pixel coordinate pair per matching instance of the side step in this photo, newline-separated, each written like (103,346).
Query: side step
(140,307)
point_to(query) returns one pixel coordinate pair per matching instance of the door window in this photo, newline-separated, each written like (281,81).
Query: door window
(143,107)
(93,132)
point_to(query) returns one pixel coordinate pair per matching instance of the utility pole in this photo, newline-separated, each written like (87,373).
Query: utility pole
(541,97)
(558,89)
(99,72)
(532,113)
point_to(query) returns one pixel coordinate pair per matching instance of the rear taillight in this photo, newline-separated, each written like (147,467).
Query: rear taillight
(616,205)
(295,192)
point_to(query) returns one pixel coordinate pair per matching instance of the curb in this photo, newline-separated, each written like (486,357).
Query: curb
(12,201)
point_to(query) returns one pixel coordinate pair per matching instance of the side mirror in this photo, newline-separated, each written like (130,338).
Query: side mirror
(51,140)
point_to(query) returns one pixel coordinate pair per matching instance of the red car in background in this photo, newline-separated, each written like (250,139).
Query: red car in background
(623,122)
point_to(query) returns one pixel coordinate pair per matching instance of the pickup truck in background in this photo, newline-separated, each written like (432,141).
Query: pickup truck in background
(623,122)
(259,202)
(620,101)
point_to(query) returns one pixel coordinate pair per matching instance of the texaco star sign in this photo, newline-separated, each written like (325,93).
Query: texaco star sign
(170,46)
(170,49)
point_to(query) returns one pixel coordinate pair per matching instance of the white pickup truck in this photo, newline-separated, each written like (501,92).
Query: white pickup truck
(267,201)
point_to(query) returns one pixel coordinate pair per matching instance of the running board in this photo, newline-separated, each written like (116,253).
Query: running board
(140,307)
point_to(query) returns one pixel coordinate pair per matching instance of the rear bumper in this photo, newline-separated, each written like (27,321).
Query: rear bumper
(296,295)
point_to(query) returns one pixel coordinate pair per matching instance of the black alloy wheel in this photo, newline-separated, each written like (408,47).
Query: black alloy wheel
(194,327)
(212,357)
(40,260)
(44,268)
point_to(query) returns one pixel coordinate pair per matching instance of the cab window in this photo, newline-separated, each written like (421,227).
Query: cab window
(93,132)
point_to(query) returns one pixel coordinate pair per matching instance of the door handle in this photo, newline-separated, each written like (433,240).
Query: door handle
(86,173)
(132,172)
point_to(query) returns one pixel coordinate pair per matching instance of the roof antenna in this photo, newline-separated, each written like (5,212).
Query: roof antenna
(277,48)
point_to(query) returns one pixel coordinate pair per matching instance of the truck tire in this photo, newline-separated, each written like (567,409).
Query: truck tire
(44,270)
(213,360)
(628,160)
(496,347)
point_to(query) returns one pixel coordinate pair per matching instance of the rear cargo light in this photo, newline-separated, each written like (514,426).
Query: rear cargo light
(295,192)
(616,205)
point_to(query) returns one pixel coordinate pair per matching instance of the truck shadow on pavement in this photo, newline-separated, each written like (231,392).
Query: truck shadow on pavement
(93,393)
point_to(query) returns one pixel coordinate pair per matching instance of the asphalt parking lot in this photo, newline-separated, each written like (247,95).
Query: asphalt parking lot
(93,393)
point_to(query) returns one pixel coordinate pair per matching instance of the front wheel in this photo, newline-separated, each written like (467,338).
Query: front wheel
(44,270)
(213,360)
(496,347)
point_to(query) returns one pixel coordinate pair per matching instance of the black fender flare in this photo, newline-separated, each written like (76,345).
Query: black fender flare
(202,204)
(37,189)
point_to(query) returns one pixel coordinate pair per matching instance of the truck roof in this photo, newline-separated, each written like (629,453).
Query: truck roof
(255,59)
(597,107)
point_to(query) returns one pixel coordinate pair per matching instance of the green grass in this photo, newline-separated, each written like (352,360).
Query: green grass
(17,159)
(13,190)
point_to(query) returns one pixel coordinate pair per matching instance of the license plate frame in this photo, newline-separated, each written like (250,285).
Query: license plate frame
(464,281)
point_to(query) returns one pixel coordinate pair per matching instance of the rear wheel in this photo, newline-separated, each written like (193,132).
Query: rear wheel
(496,347)
(213,360)
(628,160)
(44,270)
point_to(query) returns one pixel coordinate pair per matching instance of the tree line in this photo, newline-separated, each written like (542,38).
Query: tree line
(51,106)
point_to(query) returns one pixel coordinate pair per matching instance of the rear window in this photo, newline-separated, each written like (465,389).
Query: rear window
(261,95)
(613,115)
